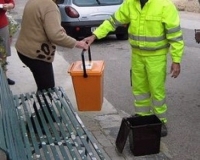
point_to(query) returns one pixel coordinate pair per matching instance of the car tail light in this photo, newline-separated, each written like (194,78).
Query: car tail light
(71,12)
(77,28)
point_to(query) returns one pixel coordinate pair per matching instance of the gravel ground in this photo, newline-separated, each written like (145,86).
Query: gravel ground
(188,5)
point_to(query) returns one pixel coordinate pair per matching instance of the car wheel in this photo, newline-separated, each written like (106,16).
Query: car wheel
(122,36)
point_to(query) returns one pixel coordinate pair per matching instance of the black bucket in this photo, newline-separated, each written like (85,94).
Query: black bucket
(144,134)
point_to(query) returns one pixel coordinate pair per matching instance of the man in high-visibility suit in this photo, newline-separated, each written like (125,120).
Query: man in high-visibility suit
(154,31)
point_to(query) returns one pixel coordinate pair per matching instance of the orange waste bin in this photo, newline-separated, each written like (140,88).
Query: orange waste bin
(87,78)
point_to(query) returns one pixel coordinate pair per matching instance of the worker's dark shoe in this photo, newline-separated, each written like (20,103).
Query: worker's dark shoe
(163,130)
(10,82)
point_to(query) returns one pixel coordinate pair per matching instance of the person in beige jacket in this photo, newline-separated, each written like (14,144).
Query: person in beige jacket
(40,32)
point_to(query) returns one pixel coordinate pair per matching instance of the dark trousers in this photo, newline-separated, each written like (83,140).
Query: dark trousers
(42,72)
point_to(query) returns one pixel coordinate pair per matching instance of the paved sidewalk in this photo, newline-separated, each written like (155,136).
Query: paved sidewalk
(103,124)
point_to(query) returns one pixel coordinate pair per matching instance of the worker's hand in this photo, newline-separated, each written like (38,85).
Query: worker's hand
(82,44)
(89,40)
(175,70)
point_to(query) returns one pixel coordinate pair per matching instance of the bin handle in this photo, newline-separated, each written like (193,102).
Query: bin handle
(70,68)
(83,61)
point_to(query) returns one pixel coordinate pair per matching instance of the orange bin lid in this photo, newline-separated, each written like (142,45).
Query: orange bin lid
(76,68)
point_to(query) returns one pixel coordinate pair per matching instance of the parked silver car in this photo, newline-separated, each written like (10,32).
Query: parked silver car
(81,17)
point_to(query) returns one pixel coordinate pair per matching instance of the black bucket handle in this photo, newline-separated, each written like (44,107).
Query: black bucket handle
(83,61)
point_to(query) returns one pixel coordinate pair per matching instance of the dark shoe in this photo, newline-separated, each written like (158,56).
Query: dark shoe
(163,130)
(10,82)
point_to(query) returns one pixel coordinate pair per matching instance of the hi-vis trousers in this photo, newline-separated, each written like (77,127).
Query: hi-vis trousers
(148,76)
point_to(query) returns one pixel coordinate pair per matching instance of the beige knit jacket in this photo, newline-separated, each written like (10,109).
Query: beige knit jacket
(41,31)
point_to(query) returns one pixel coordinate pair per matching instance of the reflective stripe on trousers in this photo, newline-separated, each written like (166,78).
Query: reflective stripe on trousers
(148,84)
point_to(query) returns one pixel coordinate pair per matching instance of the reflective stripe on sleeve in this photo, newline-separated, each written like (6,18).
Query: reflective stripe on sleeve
(173,30)
(115,23)
(180,38)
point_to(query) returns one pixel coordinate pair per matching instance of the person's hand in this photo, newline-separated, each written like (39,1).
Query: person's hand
(64,31)
(7,6)
(175,69)
(82,44)
(89,40)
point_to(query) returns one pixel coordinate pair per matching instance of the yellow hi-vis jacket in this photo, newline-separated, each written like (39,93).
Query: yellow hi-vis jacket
(152,30)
